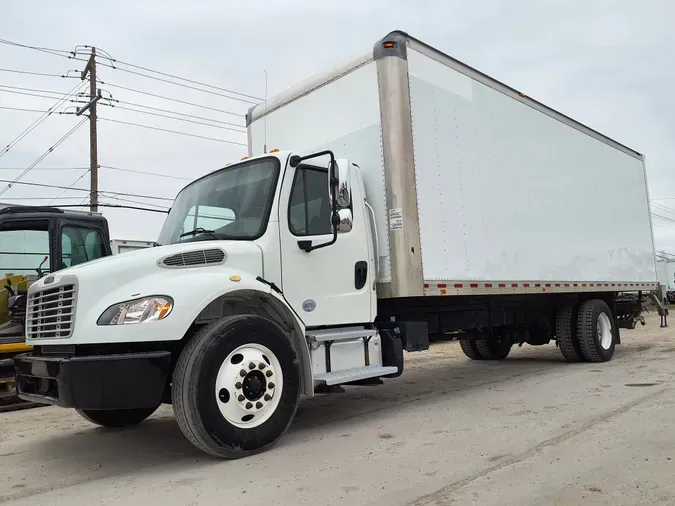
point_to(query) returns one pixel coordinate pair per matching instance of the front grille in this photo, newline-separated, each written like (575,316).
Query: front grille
(51,313)
(194,258)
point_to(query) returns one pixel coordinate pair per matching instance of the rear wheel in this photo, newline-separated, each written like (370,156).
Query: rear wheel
(492,348)
(596,331)
(116,417)
(470,350)
(236,386)
(566,334)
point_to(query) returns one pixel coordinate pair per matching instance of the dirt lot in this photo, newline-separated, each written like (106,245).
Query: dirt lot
(529,430)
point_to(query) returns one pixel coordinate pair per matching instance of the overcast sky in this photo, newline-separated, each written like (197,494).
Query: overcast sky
(607,63)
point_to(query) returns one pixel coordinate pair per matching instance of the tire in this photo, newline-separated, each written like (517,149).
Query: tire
(470,350)
(566,334)
(116,417)
(224,397)
(493,349)
(597,331)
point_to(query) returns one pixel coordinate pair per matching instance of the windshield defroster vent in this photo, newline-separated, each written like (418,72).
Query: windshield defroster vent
(194,258)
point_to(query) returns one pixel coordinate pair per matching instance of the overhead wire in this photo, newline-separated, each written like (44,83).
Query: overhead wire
(41,74)
(133,104)
(44,185)
(44,155)
(173,131)
(149,113)
(146,173)
(71,185)
(39,120)
(172,99)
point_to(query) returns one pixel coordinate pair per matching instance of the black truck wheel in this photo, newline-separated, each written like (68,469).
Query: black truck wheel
(566,334)
(116,417)
(470,350)
(491,348)
(236,386)
(596,331)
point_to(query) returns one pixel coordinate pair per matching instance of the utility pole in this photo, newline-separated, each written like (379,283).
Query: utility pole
(94,96)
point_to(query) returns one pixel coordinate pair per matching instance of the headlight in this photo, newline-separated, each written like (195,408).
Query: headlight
(145,309)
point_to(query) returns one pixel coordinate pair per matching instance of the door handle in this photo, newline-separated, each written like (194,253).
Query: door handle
(360,274)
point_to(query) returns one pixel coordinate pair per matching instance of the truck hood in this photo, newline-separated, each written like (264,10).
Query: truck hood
(125,268)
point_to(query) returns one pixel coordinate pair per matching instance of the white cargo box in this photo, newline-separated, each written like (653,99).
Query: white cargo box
(477,188)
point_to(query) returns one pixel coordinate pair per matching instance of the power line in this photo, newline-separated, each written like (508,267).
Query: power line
(42,74)
(33,110)
(60,93)
(55,52)
(149,113)
(46,168)
(186,80)
(44,155)
(39,120)
(166,208)
(43,185)
(72,184)
(177,100)
(40,198)
(175,112)
(24,93)
(146,173)
(174,132)
(244,100)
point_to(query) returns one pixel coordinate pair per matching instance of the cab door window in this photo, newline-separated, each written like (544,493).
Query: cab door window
(309,208)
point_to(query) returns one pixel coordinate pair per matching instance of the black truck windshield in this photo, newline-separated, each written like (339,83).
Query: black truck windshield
(233,203)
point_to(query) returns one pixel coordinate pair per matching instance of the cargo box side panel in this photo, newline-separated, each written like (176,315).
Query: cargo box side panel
(342,115)
(506,192)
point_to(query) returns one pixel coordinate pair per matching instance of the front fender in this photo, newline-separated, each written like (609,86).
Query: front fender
(191,289)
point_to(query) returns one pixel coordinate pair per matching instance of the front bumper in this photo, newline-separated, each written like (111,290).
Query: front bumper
(121,381)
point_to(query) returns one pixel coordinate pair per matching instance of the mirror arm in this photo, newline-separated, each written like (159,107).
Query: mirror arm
(294,161)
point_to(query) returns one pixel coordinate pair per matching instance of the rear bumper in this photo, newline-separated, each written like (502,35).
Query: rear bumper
(122,381)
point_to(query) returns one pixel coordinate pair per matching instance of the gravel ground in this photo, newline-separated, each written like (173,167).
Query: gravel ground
(529,430)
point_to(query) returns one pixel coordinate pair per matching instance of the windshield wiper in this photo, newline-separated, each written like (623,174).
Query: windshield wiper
(200,230)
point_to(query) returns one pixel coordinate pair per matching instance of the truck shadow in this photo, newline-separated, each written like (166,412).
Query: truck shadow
(83,453)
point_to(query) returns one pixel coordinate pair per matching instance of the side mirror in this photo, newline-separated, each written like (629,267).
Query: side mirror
(344,183)
(345,224)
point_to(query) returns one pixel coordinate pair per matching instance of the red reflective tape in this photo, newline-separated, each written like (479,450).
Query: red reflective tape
(442,285)
(548,284)
(458,285)
(567,284)
(488,285)
(582,284)
(526,285)
(514,285)
(537,285)
(474,285)
(502,285)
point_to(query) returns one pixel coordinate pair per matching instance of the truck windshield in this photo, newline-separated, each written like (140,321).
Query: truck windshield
(233,203)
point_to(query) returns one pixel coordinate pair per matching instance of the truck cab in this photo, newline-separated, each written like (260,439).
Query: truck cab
(34,242)
(276,251)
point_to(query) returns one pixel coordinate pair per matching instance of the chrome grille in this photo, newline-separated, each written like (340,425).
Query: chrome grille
(194,258)
(50,313)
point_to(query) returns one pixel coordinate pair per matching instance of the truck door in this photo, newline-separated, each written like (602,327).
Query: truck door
(331,285)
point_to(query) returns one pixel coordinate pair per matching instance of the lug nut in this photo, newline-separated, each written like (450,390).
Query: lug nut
(249,405)
(258,405)
(269,373)
(261,366)
(242,373)
(241,398)
(251,365)
(237,385)
(268,397)
(270,385)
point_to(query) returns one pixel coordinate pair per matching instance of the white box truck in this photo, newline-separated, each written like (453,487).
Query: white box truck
(424,198)
(125,245)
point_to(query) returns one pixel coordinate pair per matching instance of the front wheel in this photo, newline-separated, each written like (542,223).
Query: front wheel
(236,386)
(116,417)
